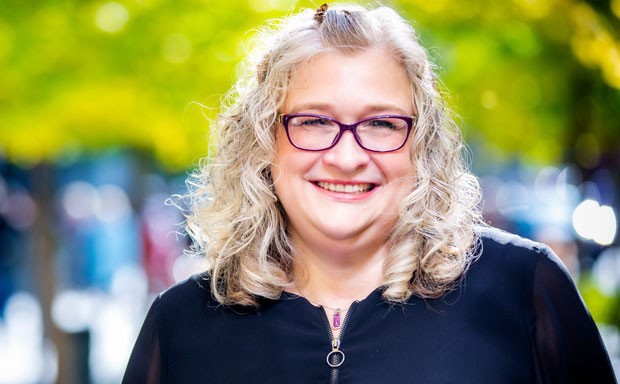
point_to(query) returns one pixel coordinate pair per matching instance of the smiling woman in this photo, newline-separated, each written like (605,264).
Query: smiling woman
(341,224)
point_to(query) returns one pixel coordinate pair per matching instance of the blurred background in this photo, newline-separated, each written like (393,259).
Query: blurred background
(100,124)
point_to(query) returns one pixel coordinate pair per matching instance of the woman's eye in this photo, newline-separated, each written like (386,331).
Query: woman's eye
(382,124)
(310,121)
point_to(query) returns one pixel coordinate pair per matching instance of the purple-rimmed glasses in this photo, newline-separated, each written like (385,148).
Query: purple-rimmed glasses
(385,133)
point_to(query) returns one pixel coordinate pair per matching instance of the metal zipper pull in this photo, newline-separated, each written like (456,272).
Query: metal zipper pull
(335,358)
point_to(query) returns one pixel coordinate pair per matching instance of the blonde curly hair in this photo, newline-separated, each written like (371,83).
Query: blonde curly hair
(235,219)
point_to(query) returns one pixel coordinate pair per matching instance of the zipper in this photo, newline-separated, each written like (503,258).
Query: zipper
(335,358)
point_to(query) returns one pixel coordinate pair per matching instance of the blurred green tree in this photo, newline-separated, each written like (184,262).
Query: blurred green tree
(530,78)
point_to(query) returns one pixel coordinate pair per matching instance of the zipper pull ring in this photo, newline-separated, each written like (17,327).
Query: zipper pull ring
(336,357)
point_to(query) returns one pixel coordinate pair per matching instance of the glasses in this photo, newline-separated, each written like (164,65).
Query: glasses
(309,132)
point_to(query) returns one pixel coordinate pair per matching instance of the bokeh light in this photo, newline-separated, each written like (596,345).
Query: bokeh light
(595,222)
(111,17)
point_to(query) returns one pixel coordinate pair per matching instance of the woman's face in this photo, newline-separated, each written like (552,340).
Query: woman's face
(311,185)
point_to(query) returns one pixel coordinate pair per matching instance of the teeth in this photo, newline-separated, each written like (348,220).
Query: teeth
(345,188)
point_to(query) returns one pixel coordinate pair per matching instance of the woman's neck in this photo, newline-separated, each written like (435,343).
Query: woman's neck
(337,276)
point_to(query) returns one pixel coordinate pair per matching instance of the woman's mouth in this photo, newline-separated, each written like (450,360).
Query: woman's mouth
(345,188)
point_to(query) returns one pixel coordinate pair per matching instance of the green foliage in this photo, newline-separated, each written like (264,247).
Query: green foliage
(526,76)
(79,76)
(604,308)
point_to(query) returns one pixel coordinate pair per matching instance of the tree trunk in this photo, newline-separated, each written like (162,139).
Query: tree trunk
(45,269)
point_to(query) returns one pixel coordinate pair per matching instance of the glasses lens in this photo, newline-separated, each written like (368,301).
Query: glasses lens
(312,132)
(384,133)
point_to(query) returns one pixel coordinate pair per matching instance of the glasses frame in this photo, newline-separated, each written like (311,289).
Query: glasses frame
(285,118)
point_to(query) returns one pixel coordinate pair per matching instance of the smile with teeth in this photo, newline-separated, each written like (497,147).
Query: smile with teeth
(345,188)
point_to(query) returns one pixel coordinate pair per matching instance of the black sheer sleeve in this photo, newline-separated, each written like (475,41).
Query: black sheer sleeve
(145,363)
(568,345)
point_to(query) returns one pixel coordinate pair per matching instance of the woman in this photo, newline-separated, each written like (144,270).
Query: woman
(344,239)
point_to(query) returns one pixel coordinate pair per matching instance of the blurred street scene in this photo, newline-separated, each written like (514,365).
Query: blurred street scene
(105,110)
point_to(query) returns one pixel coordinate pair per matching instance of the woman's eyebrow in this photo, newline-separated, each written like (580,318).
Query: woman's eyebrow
(330,109)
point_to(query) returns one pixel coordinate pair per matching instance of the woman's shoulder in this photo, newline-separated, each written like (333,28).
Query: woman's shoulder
(498,243)
(192,290)
(197,281)
(501,250)
(501,239)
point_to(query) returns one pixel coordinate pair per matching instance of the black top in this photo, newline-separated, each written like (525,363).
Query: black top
(515,318)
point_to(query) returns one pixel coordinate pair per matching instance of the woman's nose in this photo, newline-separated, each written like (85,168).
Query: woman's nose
(347,154)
